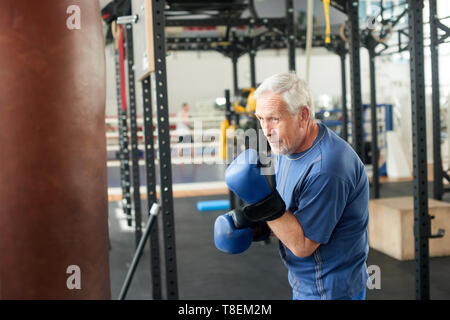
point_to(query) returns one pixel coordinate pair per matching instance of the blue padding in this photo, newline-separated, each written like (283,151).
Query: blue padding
(213,205)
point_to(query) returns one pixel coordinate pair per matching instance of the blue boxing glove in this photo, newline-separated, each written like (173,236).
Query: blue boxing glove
(243,176)
(233,233)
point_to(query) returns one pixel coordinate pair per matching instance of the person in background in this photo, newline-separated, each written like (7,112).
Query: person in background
(184,129)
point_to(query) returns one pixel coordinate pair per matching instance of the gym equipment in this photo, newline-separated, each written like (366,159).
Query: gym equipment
(127,34)
(124,153)
(54,216)
(213,205)
(154,211)
(244,101)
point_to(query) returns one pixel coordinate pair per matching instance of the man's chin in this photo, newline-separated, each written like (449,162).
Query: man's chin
(278,150)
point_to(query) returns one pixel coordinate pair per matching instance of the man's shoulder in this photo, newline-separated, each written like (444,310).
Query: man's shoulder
(338,156)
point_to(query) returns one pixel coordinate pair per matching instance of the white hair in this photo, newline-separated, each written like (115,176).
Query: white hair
(295,91)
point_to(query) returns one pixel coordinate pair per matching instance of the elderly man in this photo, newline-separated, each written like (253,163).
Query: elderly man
(319,210)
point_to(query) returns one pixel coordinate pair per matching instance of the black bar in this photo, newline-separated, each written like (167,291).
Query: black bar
(165,165)
(438,188)
(232,22)
(136,257)
(252,55)
(355,80)
(234,61)
(228,113)
(290,33)
(197,40)
(419,134)
(223,46)
(122,125)
(134,137)
(318,40)
(373,120)
(151,186)
(344,97)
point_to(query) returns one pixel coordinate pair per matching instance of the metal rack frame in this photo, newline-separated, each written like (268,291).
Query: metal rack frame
(133,132)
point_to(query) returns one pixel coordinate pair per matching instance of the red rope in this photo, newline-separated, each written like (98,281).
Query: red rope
(122,70)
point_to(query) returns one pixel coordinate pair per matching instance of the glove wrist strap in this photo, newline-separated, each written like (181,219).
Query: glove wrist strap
(270,208)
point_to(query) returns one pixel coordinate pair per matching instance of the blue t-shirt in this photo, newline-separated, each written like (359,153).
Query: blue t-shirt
(327,189)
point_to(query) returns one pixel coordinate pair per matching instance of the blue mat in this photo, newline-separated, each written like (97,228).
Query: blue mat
(213,205)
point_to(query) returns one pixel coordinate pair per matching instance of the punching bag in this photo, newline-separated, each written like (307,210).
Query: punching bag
(53,179)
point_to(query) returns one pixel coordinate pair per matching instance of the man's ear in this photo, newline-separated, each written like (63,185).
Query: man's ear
(303,114)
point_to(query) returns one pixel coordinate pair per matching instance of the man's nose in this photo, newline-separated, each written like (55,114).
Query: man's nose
(266,129)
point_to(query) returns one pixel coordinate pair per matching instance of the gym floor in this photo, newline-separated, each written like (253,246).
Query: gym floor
(206,273)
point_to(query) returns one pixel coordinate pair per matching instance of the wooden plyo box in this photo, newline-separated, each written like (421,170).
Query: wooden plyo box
(391,227)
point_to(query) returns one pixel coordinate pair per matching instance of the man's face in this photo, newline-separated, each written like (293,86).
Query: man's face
(284,131)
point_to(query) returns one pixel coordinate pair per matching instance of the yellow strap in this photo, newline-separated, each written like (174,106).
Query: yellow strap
(326,9)
(223,139)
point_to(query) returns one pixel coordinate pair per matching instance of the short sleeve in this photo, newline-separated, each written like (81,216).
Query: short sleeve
(321,201)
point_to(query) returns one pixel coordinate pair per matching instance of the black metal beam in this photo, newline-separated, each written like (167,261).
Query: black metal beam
(228,114)
(290,33)
(124,155)
(373,121)
(438,188)
(371,44)
(419,137)
(202,40)
(234,62)
(234,6)
(242,43)
(151,186)
(165,166)
(355,79)
(338,46)
(252,57)
(232,22)
(344,96)
(133,132)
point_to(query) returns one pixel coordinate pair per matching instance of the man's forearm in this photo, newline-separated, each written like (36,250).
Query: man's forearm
(290,232)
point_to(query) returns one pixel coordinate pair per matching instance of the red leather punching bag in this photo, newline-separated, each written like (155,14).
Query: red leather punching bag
(53,181)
